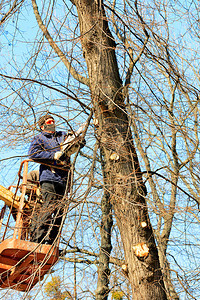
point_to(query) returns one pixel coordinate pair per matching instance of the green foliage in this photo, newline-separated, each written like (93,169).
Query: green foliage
(53,290)
(117,295)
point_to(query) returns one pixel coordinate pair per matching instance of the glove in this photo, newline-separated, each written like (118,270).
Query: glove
(57,155)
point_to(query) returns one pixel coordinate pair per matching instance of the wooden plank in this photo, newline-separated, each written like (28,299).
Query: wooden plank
(25,281)
(8,261)
(24,286)
(5,267)
(17,270)
(7,196)
(17,249)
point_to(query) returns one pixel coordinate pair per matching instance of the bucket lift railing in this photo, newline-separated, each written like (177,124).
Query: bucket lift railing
(19,221)
(16,203)
(22,263)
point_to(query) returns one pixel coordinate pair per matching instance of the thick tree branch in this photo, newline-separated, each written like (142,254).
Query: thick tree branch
(55,47)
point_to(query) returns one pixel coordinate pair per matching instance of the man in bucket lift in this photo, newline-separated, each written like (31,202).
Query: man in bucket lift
(54,182)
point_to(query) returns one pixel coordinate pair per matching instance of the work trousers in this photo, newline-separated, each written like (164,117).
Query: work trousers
(46,219)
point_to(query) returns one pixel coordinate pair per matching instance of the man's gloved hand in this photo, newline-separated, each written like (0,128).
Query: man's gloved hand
(57,155)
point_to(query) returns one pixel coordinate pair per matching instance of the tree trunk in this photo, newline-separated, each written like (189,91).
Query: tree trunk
(122,177)
(102,290)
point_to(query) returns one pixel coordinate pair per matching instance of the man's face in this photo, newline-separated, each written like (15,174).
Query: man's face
(48,122)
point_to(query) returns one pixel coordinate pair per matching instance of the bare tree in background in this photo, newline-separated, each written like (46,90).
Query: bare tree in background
(121,62)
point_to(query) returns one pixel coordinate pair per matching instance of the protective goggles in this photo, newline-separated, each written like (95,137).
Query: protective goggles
(49,122)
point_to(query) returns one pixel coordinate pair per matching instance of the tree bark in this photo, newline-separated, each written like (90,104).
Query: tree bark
(102,290)
(123,178)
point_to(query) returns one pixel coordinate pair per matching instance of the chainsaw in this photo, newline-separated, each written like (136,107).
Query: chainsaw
(72,143)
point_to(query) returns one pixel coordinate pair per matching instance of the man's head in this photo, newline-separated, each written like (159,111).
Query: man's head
(47,123)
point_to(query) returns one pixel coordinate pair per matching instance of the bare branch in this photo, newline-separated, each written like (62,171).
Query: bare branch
(55,47)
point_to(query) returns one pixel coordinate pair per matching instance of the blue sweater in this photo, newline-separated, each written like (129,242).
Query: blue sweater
(42,149)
